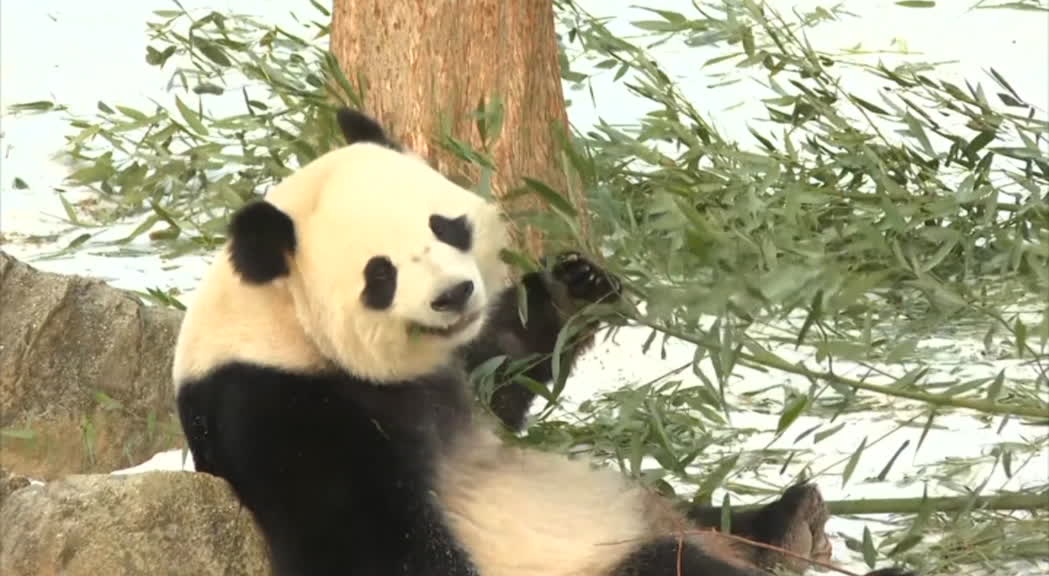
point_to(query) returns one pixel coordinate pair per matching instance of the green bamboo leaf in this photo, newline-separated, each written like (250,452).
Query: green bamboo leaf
(106,401)
(95,173)
(916,3)
(726,514)
(995,389)
(912,376)
(656,26)
(133,113)
(78,240)
(791,413)
(715,478)
(819,436)
(487,368)
(850,466)
(668,15)
(888,466)
(815,309)
(140,229)
(870,553)
(748,41)
(913,537)
(925,430)
(151,424)
(549,195)
(34,106)
(320,8)
(190,117)
(208,88)
(1020,331)
(18,433)
(517,260)
(210,50)
(979,141)
(870,106)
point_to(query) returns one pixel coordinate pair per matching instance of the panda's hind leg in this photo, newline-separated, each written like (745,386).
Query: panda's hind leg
(795,522)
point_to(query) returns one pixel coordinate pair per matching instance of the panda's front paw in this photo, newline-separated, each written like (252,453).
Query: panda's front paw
(892,572)
(584,280)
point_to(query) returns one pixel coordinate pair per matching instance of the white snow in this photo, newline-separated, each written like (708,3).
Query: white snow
(79,53)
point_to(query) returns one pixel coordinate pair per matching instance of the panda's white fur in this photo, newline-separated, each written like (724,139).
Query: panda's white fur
(343,429)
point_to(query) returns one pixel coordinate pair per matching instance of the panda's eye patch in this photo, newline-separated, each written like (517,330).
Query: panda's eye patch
(380,283)
(455,232)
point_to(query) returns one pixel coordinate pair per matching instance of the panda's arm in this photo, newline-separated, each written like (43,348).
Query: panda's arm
(551,298)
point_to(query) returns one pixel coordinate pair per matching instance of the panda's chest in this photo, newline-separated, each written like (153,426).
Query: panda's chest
(416,419)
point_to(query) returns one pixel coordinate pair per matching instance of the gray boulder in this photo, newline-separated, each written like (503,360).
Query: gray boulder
(169,523)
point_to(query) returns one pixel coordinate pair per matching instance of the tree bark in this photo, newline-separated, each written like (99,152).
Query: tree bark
(428,64)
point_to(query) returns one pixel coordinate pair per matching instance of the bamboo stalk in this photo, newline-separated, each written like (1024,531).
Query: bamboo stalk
(1005,501)
(1008,501)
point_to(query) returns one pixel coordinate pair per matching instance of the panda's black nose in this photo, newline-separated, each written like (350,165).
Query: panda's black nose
(454,299)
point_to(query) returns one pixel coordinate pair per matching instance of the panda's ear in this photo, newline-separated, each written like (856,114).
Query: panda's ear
(359,127)
(262,238)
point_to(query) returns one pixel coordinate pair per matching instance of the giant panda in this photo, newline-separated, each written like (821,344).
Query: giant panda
(321,369)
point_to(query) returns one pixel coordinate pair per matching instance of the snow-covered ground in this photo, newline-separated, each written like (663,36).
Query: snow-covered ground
(79,53)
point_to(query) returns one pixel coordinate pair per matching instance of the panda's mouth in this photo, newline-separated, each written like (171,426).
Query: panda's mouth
(464,321)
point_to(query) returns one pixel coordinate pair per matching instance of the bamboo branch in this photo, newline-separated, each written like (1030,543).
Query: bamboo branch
(1005,501)
(776,363)
(1009,501)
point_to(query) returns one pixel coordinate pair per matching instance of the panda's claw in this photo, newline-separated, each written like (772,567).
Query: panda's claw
(583,279)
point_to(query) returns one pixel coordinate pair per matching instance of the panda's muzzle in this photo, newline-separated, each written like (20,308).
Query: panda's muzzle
(454,299)
(463,322)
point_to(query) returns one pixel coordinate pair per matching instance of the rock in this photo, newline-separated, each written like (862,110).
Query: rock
(85,374)
(169,523)
(10,482)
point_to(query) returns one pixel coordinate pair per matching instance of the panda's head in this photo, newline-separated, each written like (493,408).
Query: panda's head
(389,266)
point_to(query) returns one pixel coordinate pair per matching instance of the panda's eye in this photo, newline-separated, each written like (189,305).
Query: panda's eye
(454,232)
(380,283)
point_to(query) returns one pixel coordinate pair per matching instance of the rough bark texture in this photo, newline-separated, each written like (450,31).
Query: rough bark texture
(63,340)
(154,523)
(424,63)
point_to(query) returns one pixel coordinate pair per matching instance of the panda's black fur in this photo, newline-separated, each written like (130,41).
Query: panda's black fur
(337,470)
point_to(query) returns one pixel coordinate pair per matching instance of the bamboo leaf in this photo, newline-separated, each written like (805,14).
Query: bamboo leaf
(995,389)
(191,117)
(1020,331)
(726,514)
(549,195)
(850,466)
(791,413)
(870,553)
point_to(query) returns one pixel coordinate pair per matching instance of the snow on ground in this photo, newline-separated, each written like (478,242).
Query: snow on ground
(115,70)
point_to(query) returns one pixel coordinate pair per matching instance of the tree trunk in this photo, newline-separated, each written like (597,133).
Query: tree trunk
(426,65)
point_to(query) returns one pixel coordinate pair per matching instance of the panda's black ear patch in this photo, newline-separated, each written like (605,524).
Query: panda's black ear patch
(359,127)
(261,239)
